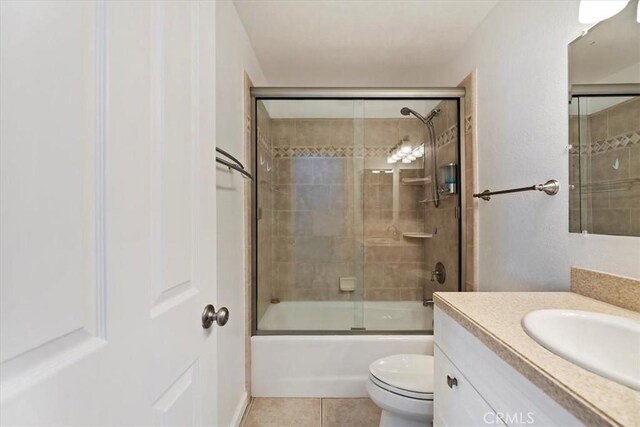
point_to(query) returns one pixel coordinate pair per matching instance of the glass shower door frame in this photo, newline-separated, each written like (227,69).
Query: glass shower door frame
(364,94)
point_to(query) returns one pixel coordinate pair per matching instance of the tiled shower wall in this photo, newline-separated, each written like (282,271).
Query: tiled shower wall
(610,187)
(313,237)
(471,204)
(394,266)
(443,221)
(321,181)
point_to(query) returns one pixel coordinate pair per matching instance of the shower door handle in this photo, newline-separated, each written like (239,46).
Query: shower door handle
(210,315)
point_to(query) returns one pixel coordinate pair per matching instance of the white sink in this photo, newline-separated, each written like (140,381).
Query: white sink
(603,344)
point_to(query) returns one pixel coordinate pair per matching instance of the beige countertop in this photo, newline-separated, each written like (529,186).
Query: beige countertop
(494,318)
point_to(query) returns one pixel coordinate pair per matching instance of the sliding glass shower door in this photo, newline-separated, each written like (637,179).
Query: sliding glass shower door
(310,214)
(357,213)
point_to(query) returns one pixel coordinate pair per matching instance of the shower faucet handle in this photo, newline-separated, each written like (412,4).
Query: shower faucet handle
(439,274)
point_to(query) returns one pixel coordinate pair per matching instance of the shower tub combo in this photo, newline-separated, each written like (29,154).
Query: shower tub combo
(350,218)
(330,365)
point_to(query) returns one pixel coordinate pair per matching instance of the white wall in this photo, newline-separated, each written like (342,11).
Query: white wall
(234,56)
(520,52)
(630,74)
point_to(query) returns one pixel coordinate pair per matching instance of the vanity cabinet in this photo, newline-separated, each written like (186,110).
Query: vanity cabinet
(473,386)
(456,389)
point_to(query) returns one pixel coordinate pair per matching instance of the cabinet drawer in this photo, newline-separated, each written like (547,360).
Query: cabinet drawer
(456,402)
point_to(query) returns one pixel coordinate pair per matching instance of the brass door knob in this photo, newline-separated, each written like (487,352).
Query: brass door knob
(210,315)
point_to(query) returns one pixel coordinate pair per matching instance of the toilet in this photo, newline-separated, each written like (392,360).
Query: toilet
(402,386)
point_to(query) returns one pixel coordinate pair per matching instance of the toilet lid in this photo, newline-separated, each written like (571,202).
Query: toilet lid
(409,372)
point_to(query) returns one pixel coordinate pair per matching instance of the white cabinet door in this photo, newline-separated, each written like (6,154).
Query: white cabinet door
(456,402)
(108,213)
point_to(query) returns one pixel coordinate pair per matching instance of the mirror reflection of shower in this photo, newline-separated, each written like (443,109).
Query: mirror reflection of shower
(428,121)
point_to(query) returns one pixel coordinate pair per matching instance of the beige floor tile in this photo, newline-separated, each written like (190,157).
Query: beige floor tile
(350,413)
(271,412)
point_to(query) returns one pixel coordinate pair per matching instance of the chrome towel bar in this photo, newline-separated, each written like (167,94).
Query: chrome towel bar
(550,187)
(236,165)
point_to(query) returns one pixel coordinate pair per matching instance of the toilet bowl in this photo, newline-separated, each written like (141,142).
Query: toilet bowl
(402,386)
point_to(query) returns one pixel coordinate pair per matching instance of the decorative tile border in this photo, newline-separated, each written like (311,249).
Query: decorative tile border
(619,141)
(329,151)
(448,136)
(265,141)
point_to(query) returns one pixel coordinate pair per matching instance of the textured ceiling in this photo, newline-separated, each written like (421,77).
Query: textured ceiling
(358,43)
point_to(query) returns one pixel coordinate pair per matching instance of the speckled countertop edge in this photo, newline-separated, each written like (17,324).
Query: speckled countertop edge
(563,392)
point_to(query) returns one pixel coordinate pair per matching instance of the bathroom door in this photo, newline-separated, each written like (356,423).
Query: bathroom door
(108,213)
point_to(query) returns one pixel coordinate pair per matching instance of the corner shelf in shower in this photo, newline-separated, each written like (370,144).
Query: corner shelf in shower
(417,235)
(416,181)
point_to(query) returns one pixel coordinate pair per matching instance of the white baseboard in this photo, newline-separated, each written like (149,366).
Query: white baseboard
(239,412)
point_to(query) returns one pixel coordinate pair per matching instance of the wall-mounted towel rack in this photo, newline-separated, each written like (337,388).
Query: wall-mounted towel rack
(550,187)
(236,165)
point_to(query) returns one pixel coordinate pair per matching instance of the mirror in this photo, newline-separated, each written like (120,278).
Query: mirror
(604,127)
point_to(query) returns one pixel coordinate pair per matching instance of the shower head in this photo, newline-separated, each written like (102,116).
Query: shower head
(405,111)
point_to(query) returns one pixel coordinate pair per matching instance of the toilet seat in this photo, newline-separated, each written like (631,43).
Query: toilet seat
(399,391)
(408,375)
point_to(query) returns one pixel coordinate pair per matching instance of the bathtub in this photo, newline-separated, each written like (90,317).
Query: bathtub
(331,365)
(343,315)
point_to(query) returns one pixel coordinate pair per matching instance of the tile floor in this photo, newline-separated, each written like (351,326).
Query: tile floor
(302,412)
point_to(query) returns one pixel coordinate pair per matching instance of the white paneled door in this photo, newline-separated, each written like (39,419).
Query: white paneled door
(108,212)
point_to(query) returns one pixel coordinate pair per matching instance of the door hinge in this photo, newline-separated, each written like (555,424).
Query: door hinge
(457,212)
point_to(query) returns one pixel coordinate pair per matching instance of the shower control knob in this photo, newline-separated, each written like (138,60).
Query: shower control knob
(439,274)
(210,315)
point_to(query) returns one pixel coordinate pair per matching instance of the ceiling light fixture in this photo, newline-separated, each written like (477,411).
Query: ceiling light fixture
(594,11)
